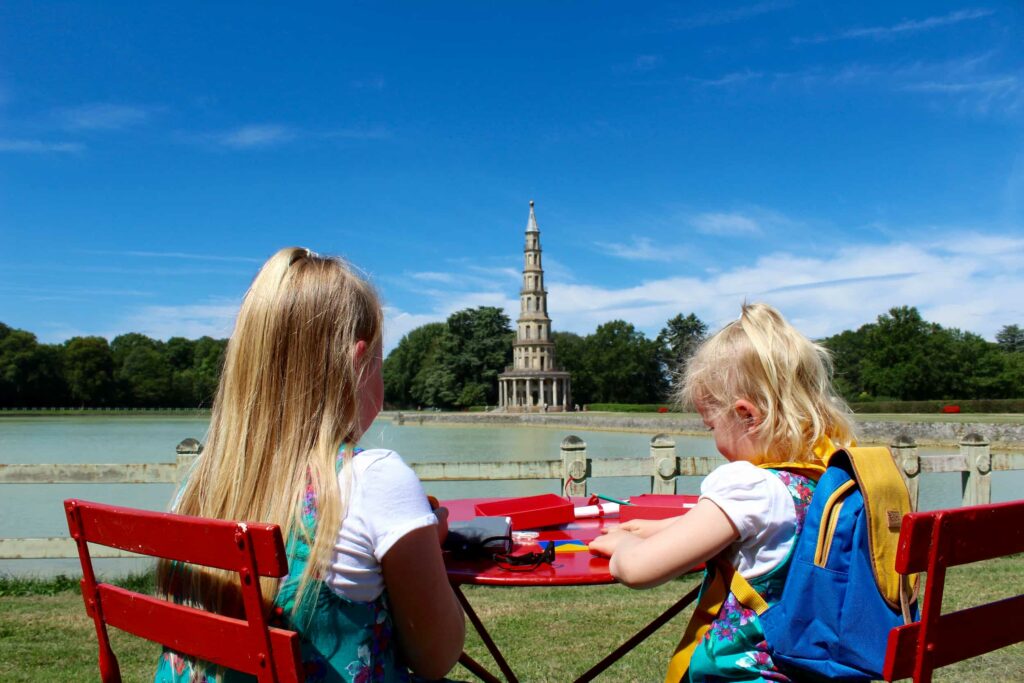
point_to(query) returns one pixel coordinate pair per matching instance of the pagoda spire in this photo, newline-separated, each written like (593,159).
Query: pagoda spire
(531,224)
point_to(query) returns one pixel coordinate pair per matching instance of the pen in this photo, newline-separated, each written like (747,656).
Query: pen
(612,500)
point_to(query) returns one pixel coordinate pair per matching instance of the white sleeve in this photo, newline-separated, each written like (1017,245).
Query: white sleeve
(394,502)
(750,496)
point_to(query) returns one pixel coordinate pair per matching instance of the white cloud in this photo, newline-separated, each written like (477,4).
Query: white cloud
(214,318)
(969,280)
(429,276)
(255,136)
(39,146)
(726,224)
(102,116)
(642,249)
(905,27)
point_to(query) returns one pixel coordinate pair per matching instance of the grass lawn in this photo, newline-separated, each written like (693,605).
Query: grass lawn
(547,634)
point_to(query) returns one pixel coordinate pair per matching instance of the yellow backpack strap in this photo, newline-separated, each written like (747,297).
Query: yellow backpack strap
(712,597)
(886,501)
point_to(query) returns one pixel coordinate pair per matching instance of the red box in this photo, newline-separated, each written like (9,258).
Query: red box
(656,506)
(530,512)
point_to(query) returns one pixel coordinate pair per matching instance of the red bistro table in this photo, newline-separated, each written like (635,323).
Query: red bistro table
(569,569)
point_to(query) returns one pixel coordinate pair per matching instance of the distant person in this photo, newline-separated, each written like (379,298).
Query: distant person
(765,392)
(367,589)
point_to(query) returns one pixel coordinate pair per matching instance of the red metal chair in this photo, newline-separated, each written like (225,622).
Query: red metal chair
(249,645)
(932,541)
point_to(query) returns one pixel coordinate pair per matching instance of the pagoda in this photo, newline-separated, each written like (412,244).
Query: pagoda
(533,383)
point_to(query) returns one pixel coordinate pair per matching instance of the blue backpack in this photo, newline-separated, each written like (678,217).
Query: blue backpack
(842,595)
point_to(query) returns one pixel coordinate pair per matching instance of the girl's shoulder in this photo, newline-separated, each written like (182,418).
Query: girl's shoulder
(377,458)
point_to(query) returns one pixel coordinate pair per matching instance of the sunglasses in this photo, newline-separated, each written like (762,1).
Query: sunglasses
(525,562)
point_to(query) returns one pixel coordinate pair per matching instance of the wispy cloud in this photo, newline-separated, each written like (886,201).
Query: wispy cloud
(905,27)
(642,249)
(726,224)
(428,276)
(733,78)
(102,116)
(733,15)
(179,255)
(39,146)
(254,136)
(213,318)
(271,135)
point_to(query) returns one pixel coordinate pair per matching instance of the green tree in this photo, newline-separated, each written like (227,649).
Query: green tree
(412,357)
(31,373)
(207,360)
(1011,338)
(89,370)
(624,365)
(571,353)
(141,370)
(475,349)
(848,349)
(677,341)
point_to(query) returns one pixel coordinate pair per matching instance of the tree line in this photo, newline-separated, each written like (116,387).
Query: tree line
(132,370)
(456,363)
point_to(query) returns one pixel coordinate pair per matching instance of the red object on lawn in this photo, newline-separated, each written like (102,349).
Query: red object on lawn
(951,409)
(251,549)
(931,542)
(656,506)
(662,409)
(530,512)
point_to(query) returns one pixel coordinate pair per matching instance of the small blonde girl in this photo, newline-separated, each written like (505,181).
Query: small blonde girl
(301,383)
(765,392)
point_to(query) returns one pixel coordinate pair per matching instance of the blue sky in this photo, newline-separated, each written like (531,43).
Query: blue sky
(834,159)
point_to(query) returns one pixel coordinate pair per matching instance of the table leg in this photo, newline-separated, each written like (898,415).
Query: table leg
(486,637)
(640,636)
(477,670)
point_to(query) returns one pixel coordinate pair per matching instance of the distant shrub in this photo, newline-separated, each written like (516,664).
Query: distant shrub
(633,407)
(981,405)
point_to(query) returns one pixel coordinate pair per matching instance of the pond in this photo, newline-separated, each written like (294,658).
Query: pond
(35,510)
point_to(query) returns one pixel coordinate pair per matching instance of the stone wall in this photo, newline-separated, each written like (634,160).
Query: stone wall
(1006,436)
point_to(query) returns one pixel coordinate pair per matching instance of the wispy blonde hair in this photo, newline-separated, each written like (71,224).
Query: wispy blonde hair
(765,360)
(286,403)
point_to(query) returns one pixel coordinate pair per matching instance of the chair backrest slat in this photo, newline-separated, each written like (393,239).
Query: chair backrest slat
(211,637)
(252,550)
(958,636)
(931,542)
(970,534)
(186,539)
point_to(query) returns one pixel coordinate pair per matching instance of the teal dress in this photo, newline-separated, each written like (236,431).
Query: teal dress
(734,647)
(341,640)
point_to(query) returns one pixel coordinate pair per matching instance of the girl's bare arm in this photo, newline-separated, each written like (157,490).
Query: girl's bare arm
(696,537)
(428,618)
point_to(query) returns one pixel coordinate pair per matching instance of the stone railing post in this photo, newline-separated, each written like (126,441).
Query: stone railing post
(187,451)
(977,478)
(904,452)
(399,419)
(664,464)
(575,466)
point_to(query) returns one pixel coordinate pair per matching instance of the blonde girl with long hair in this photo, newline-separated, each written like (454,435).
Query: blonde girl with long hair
(301,382)
(765,391)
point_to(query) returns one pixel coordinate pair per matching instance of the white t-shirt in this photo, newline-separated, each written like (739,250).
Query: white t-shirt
(762,510)
(387,502)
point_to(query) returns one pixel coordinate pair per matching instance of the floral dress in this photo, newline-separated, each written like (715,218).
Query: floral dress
(734,648)
(340,640)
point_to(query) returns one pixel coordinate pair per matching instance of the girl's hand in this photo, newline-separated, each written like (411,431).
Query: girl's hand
(643,528)
(606,544)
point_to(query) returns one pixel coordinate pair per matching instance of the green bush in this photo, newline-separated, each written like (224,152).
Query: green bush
(981,405)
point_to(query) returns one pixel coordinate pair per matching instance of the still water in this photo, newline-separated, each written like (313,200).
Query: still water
(35,510)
